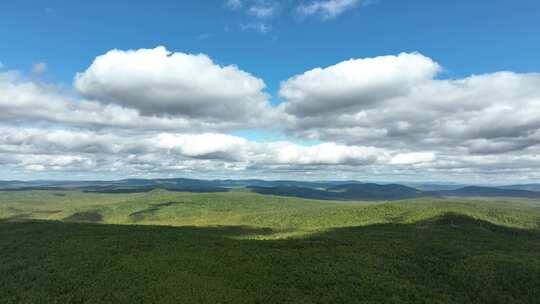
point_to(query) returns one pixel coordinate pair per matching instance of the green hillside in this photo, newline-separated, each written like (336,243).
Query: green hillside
(242,247)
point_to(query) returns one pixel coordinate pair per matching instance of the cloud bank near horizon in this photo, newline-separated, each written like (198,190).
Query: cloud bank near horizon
(153,112)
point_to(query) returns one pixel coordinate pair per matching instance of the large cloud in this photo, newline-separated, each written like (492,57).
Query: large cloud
(355,84)
(57,150)
(33,151)
(23,100)
(157,82)
(26,101)
(397,102)
(385,118)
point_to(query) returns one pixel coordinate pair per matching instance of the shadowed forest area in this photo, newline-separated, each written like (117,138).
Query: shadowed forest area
(447,259)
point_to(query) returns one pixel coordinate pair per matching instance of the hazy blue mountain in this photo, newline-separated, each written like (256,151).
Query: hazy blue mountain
(389,192)
(295,192)
(346,192)
(528,187)
(327,190)
(434,186)
(487,192)
(376,191)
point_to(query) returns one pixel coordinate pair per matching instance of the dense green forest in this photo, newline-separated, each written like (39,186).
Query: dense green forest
(243,247)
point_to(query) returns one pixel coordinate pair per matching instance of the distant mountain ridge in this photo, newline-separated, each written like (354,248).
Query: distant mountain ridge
(528,187)
(389,192)
(369,191)
(488,192)
(325,190)
(165,183)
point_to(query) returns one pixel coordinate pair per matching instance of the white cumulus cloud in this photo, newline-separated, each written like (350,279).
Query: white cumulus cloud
(152,113)
(157,82)
(397,102)
(355,83)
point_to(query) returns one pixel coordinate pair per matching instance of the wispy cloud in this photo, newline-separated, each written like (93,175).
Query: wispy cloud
(39,68)
(328,9)
(234,4)
(259,27)
(257,13)
(262,11)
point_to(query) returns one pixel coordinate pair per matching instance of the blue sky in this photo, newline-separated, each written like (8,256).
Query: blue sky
(303,89)
(467,37)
